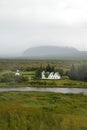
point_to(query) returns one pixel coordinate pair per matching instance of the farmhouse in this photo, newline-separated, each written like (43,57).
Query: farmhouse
(43,75)
(17,73)
(51,75)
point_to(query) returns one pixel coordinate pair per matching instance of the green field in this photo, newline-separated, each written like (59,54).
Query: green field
(14,64)
(42,111)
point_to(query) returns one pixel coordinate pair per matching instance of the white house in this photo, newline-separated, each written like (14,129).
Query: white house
(57,75)
(51,75)
(17,73)
(43,75)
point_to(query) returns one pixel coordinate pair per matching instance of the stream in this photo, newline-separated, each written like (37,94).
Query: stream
(58,90)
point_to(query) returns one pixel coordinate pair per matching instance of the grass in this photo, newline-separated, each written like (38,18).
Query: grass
(14,64)
(42,111)
(67,83)
(63,83)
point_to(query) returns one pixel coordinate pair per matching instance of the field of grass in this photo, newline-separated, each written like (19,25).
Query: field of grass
(46,83)
(67,83)
(14,64)
(42,111)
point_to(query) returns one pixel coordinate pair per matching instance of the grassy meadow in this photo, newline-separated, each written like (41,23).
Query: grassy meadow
(42,111)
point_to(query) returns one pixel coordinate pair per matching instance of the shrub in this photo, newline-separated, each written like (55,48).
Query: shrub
(10,77)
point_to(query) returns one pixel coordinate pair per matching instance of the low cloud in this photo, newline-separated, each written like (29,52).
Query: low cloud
(25,23)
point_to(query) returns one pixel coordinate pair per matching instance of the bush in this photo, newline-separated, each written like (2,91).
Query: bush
(10,77)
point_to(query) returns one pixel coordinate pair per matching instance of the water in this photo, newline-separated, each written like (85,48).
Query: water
(59,90)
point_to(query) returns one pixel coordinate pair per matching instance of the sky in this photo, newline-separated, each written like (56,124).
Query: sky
(29,23)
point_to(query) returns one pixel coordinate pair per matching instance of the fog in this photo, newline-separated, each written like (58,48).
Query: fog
(26,23)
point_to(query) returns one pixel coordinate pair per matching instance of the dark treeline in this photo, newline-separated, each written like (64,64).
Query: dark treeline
(78,72)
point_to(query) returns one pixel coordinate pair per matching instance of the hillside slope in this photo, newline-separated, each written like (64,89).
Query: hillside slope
(54,52)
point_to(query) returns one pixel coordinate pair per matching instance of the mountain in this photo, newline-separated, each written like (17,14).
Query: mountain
(54,52)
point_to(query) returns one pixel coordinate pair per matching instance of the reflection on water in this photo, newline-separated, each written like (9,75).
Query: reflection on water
(60,90)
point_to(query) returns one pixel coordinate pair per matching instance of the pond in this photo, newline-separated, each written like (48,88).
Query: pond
(59,90)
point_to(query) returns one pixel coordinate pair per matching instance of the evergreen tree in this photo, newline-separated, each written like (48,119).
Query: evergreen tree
(38,72)
(50,68)
(78,72)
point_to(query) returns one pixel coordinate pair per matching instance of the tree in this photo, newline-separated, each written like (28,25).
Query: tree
(78,72)
(61,72)
(38,72)
(72,72)
(50,68)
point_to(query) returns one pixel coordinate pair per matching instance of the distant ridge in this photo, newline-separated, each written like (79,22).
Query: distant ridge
(54,52)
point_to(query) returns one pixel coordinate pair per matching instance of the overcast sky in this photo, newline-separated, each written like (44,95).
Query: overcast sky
(27,23)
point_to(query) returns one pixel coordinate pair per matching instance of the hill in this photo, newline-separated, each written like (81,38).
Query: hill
(54,52)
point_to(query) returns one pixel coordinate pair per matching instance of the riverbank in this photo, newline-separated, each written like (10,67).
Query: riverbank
(67,83)
(42,110)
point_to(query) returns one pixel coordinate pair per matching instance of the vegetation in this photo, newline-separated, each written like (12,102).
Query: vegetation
(10,77)
(42,111)
(32,65)
(31,73)
(78,72)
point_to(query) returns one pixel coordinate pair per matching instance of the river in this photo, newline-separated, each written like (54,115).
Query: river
(58,90)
